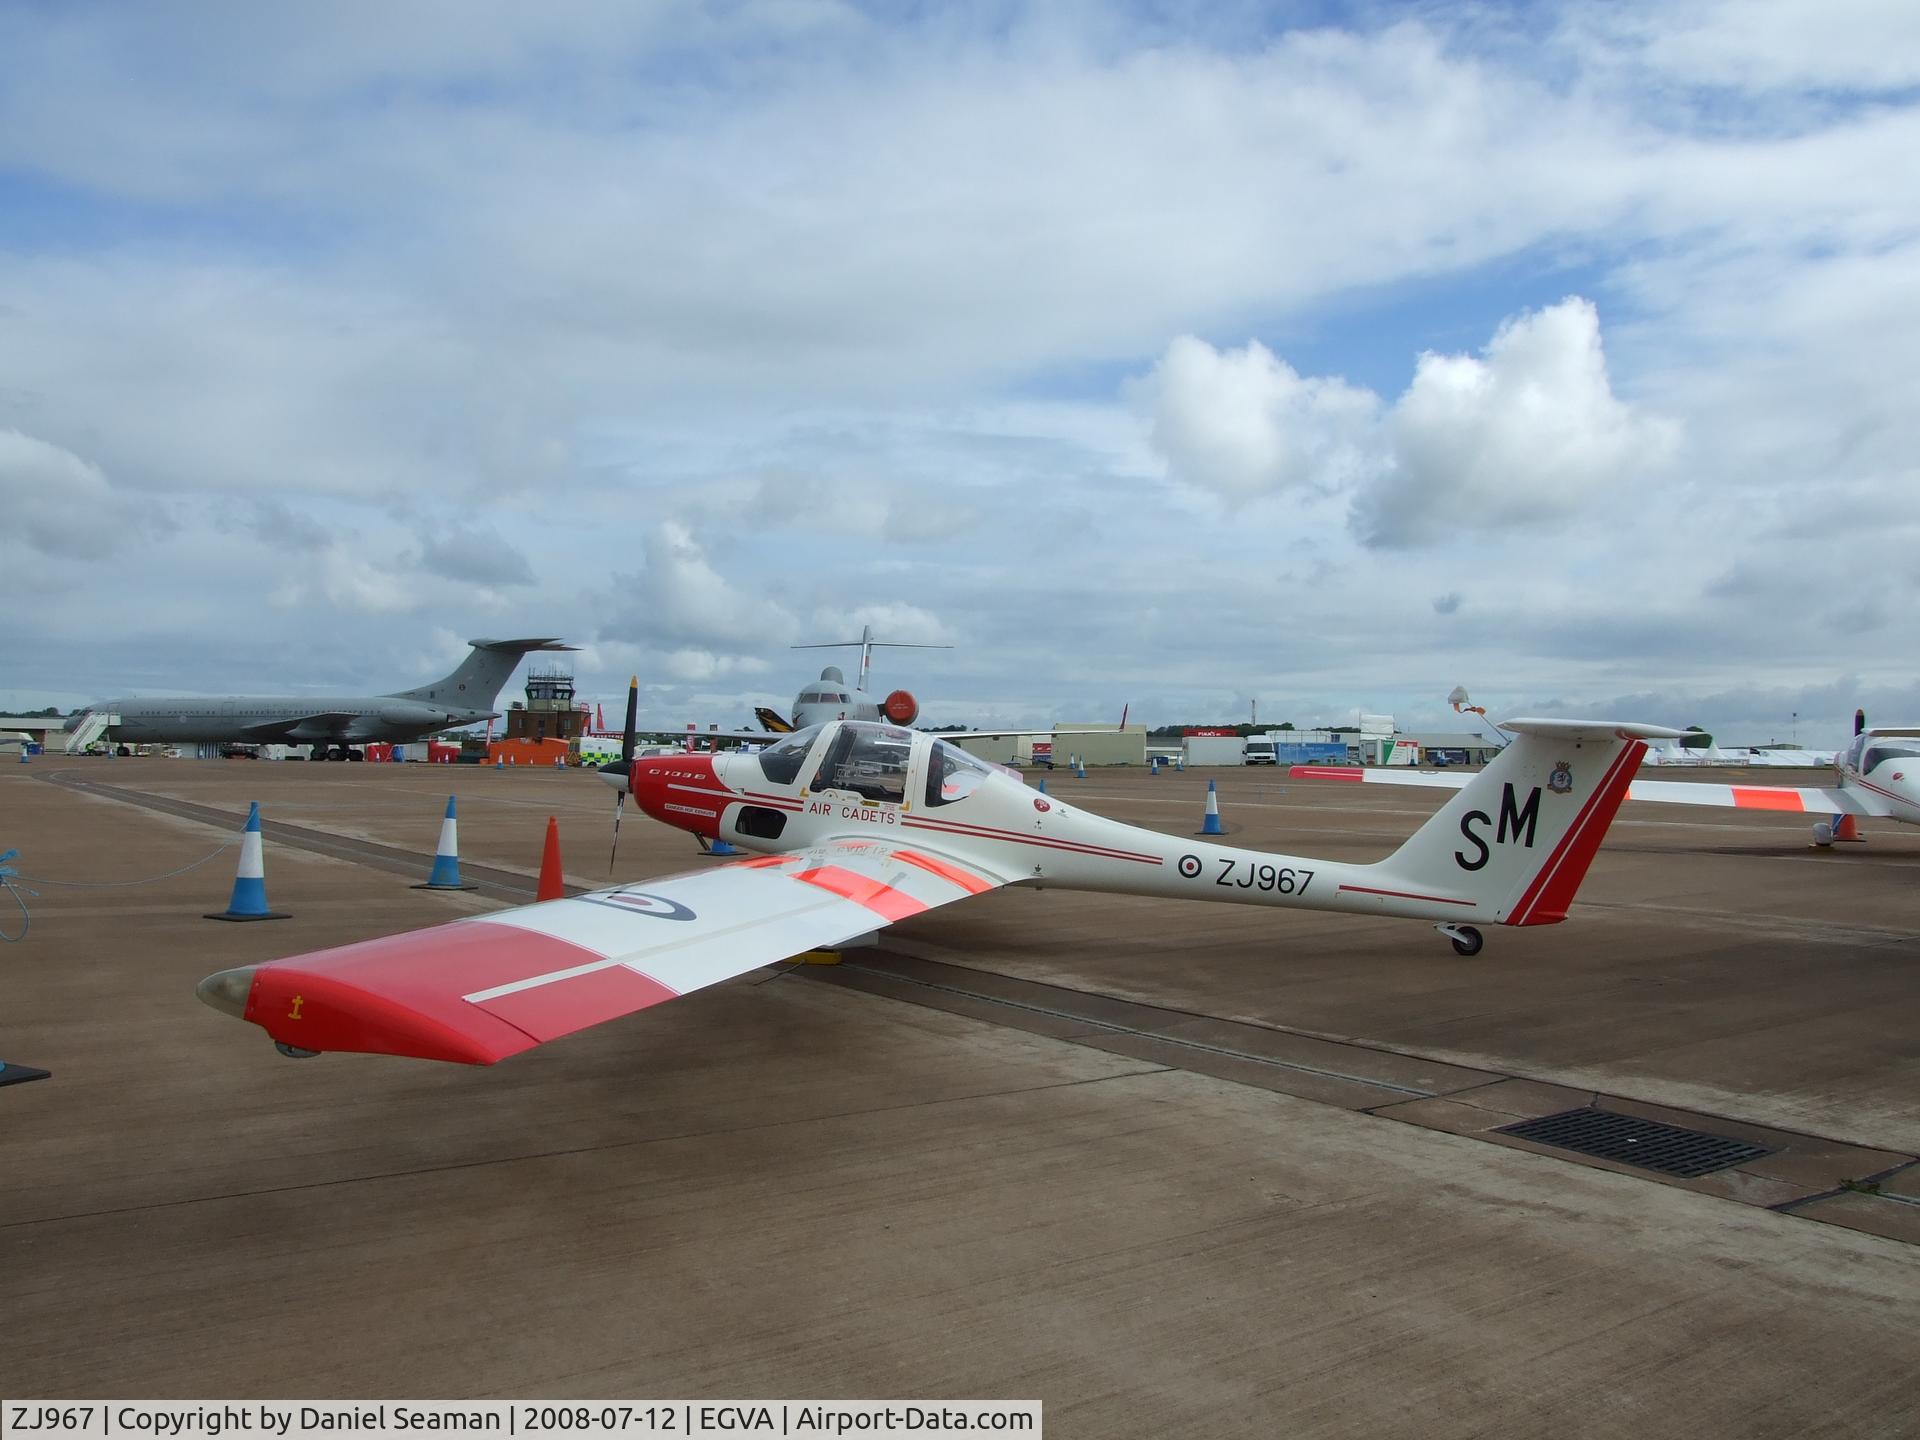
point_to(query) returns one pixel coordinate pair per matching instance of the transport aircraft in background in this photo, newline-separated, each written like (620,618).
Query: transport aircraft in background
(332,724)
(860,824)
(1877,776)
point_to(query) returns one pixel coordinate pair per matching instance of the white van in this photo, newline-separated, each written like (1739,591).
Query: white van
(1258,752)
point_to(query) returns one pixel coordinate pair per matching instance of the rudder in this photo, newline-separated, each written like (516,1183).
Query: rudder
(1518,839)
(475,683)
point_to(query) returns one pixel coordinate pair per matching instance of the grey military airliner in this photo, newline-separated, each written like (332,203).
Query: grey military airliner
(332,723)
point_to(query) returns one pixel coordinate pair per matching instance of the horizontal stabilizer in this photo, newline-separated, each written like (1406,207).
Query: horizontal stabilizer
(1590,729)
(521,647)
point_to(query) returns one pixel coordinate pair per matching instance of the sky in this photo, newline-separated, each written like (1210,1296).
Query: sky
(1173,356)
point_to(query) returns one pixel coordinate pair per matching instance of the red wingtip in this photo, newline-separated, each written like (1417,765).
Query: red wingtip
(1325,772)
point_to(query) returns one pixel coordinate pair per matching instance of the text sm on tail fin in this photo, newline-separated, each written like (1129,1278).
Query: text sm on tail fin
(1515,843)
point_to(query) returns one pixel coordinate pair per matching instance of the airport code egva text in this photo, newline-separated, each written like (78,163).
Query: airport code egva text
(692,1419)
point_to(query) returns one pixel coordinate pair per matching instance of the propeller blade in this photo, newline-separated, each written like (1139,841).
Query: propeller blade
(619,806)
(633,715)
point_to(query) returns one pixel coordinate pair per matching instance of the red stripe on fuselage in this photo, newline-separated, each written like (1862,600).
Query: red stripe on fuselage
(1407,895)
(985,833)
(1321,772)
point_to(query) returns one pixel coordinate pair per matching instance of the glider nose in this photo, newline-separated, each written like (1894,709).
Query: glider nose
(649,784)
(228,990)
(678,790)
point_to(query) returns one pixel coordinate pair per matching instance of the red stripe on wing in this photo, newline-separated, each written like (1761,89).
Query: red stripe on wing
(946,870)
(401,995)
(1751,798)
(560,1007)
(876,895)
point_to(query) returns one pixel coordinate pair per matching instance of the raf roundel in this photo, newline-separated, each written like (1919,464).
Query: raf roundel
(636,902)
(1189,866)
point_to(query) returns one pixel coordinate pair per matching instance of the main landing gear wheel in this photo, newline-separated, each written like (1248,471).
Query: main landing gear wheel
(1465,939)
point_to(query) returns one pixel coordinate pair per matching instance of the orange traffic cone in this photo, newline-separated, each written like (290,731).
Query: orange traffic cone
(552,887)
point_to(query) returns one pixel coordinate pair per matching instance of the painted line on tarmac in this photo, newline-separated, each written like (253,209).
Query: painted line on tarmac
(491,880)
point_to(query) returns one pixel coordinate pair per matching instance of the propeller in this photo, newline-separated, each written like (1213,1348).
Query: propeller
(626,764)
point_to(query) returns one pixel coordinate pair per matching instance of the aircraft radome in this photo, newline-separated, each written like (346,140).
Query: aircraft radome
(862,824)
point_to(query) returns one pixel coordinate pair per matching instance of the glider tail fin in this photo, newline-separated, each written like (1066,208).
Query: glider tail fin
(1517,841)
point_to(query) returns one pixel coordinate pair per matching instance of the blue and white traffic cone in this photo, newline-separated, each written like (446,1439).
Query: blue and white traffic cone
(20,1074)
(1211,825)
(23,755)
(1079,769)
(446,856)
(721,847)
(499,762)
(1043,784)
(249,900)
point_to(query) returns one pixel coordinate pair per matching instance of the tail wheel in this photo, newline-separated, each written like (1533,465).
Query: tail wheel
(1466,940)
(1823,834)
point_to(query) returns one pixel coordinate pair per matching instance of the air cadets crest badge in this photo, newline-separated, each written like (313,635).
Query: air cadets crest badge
(1561,780)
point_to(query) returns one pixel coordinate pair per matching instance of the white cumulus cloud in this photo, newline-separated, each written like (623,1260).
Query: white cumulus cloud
(680,602)
(1243,423)
(1525,433)
(58,503)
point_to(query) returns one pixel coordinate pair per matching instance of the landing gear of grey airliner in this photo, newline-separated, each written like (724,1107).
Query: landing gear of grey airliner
(1466,940)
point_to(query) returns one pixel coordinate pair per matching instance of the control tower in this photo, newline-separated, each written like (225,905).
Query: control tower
(549,712)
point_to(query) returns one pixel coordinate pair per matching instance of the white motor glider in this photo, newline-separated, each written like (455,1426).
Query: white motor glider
(1878,776)
(862,824)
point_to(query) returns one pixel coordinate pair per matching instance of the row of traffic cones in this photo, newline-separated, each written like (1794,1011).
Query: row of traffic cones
(249,898)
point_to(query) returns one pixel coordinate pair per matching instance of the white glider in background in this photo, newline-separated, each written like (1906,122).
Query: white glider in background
(1878,777)
(862,824)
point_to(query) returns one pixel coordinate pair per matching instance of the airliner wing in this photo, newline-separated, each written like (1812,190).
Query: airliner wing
(321,725)
(1810,800)
(481,989)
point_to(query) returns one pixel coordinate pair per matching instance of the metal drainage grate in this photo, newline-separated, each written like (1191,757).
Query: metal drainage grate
(1647,1144)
